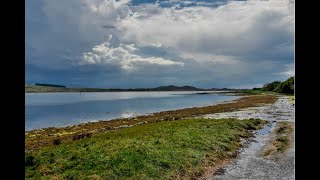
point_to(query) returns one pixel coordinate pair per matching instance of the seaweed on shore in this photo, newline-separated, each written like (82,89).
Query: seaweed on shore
(37,139)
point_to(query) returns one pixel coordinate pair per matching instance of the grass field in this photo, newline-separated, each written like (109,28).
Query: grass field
(164,150)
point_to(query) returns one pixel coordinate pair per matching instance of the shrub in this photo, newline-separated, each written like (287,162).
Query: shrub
(30,160)
(271,86)
(56,141)
(287,86)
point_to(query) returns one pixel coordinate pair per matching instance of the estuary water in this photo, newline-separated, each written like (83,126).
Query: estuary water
(63,109)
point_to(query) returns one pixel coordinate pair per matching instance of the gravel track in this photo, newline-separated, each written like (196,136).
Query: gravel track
(249,164)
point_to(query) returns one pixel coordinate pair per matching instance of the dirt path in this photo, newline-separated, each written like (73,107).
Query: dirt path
(249,163)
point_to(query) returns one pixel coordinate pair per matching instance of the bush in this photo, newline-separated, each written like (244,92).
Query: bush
(30,160)
(286,87)
(56,141)
(271,86)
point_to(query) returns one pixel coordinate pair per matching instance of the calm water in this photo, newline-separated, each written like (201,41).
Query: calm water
(63,109)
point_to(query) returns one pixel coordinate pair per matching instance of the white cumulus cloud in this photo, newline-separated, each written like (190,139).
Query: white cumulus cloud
(124,56)
(238,28)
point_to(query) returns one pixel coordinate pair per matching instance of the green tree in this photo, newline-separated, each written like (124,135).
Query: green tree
(286,86)
(271,86)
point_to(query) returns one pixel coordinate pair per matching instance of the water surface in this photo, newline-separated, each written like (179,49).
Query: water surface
(64,109)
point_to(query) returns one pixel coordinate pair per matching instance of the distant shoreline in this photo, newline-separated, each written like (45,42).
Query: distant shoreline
(51,89)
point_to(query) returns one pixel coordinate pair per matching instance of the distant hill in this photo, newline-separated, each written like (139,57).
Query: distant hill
(176,88)
(59,88)
(50,85)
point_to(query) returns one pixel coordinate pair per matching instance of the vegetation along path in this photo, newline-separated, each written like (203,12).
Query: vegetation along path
(270,154)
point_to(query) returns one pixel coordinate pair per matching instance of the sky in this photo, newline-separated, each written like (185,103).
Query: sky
(150,43)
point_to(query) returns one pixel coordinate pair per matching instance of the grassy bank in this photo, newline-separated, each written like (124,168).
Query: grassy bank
(164,150)
(37,139)
(280,142)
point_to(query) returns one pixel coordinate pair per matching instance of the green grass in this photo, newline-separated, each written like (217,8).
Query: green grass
(163,150)
(283,132)
(283,142)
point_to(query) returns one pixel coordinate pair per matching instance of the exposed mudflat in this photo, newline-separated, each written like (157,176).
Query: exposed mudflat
(249,163)
(281,110)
